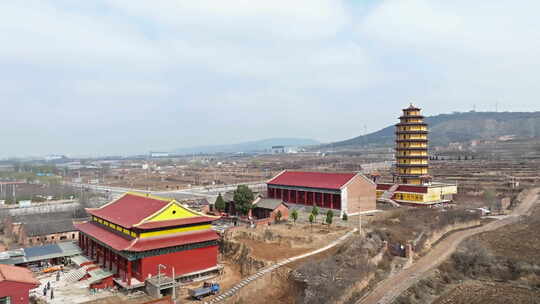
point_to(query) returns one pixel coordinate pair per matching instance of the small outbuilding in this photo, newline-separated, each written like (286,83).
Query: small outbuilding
(267,208)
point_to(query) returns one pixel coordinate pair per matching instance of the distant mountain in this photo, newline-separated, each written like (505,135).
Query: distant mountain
(250,146)
(459,127)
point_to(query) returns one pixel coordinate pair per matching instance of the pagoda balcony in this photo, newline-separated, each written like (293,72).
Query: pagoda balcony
(412,140)
(411,148)
(412,165)
(412,132)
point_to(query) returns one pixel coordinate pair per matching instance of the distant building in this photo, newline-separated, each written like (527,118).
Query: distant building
(34,229)
(48,232)
(278,149)
(159,154)
(15,284)
(55,158)
(348,193)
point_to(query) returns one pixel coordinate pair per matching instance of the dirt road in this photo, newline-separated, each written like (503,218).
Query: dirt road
(389,289)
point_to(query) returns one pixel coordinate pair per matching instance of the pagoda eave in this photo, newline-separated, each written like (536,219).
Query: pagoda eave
(411,116)
(412,140)
(411,124)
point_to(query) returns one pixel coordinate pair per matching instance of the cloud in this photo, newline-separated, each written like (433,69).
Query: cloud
(118,76)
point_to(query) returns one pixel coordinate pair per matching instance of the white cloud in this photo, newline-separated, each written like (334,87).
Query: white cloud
(315,68)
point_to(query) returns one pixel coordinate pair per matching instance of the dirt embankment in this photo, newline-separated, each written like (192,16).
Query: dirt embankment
(240,254)
(421,227)
(335,278)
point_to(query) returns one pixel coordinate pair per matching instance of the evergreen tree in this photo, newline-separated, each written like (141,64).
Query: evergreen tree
(294,215)
(329,217)
(278,216)
(315,212)
(220,203)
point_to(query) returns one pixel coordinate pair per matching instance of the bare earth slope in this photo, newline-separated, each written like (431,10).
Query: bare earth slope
(390,288)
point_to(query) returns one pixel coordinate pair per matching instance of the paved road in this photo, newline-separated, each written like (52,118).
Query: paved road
(387,290)
(195,192)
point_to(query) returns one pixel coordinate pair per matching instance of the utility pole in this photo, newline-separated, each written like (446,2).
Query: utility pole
(174,286)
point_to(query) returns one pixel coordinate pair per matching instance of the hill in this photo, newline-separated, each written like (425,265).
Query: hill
(250,146)
(459,127)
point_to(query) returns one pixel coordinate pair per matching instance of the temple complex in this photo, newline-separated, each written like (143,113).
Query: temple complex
(137,236)
(412,184)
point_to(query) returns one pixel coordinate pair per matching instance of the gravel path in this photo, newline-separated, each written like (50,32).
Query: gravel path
(386,291)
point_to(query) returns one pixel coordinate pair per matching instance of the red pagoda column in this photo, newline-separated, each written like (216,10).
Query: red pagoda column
(332,201)
(110,259)
(105,257)
(129,273)
(296,197)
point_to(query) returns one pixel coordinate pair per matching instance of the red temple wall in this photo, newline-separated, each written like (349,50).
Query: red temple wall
(309,198)
(183,262)
(17,291)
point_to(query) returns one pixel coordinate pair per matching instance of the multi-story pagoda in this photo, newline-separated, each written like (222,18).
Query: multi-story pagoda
(138,236)
(411,148)
(412,184)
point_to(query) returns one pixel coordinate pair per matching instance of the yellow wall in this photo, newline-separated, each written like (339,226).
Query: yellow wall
(175,230)
(411,112)
(172,212)
(413,161)
(451,189)
(412,145)
(414,197)
(413,170)
(412,128)
(411,136)
(412,153)
(114,226)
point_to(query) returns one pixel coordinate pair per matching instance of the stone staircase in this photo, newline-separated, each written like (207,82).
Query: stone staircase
(388,194)
(76,274)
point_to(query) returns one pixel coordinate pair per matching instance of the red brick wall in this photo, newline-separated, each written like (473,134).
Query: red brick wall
(284,213)
(184,262)
(361,195)
(17,291)
(40,240)
(105,283)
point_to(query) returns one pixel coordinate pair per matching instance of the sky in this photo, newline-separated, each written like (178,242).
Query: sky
(130,76)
